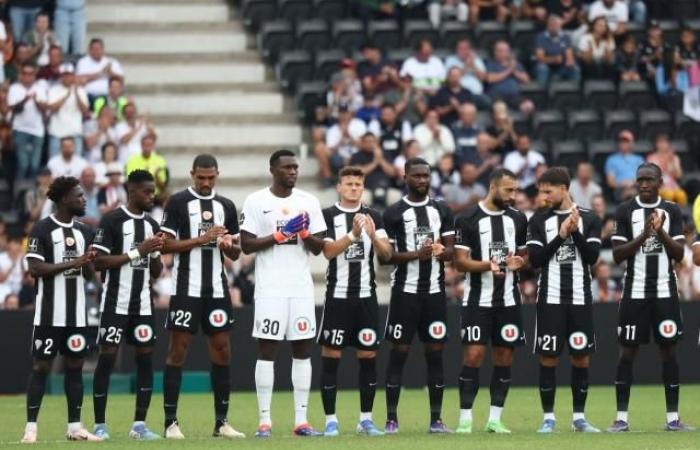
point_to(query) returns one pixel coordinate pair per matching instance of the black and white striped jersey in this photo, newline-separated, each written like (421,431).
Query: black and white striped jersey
(351,274)
(565,277)
(126,288)
(649,273)
(408,225)
(486,235)
(60,298)
(199,272)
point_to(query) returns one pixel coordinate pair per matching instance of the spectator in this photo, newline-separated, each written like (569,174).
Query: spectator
(450,97)
(67,104)
(97,133)
(621,167)
(114,100)
(480,10)
(502,129)
(600,208)
(484,160)
(52,71)
(34,199)
(603,287)
(4,46)
(434,138)
(27,98)
(534,11)
(22,15)
(672,81)
(627,60)
(113,194)
(523,203)
(39,40)
(151,161)
(369,111)
(443,174)
(96,69)
(468,192)
(597,51)
(465,132)
(67,163)
(447,9)
(70,24)
(342,140)
(20,58)
(523,161)
(687,51)
(378,171)
(91,191)
(572,16)
(342,93)
(131,130)
(668,161)
(504,76)
(375,9)
(109,154)
(555,55)
(473,71)
(424,71)
(614,12)
(583,188)
(393,132)
(376,74)
(410,150)
(13,269)
(652,51)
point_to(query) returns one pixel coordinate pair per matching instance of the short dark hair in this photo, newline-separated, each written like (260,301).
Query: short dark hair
(414,162)
(351,171)
(139,176)
(557,176)
(67,138)
(60,187)
(498,174)
(205,161)
(388,105)
(96,41)
(652,166)
(108,144)
(419,44)
(280,153)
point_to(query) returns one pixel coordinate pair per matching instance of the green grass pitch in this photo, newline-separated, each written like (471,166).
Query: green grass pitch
(522,414)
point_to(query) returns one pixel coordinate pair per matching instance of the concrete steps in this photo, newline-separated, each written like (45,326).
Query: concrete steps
(213,104)
(157,11)
(177,73)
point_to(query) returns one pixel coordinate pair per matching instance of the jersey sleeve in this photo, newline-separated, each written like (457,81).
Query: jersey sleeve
(316,222)
(330,226)
(593,230)
(36,245)
(171,217)
(390,225)
(535,232)
(447,225)
(379,229)
(622,232)
(89,234)
(104,238)
(249,220)
(463,233)
(521,231)
(231,220)
(675,228)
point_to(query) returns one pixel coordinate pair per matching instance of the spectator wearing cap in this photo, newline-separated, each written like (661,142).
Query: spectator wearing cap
(614,12)
(67,104)
(114,100)
(583,188)
(40,39)
(51,72)
(450,97)
(376,74)
(473,71)
(434,138)
(27,98)
(150,161)
(504,76)
(465,132)
(91,192)
(393,132)
(67,163)
(97,133)
(424,71)
(70,23)
(109,154)
(555,54)
(131,130)
(379,172)
(113,194)
(523,161)
(439,10)
(597,51)
(668,161)
(488,10)
(20,57)
(621,167)
(95,69)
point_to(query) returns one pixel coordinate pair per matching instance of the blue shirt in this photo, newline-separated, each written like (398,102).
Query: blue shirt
(508,87)
(553,45)
(623,167)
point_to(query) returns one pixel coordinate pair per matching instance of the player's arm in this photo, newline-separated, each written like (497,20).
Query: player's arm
(382,248)
(674,240)
(250,243)
(39,268)
(172,245)
(374,227)
(464,263)
(156,266)
(623,247)
(334,247)
(696,252)
(589,245)
(230,243)
(314,243)
(444,250)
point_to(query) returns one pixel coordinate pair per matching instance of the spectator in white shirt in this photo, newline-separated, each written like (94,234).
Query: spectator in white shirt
(113,194)
(109,155)
(616,14)
(131,130)
(96,68)
(447,9)
(27,98)
(425,71)
(3,41)
(12,273)
(67,104)
(583,188)
(523,161)
(434,138)
(67,163)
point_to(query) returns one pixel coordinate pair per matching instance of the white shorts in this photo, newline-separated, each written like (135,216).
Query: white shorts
(278,319)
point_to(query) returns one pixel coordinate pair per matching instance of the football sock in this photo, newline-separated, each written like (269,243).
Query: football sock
(548,388)
(144,386)
(436,383)
(623,384)
(301,381)
(171,392)
(579,388)
(100,384)
(671,385)
(221,386)
(264,383)
(468,386)
(35,393)
(329,381)
(367,378)
(500,383)
(73,387)
(495,413)
(394,373)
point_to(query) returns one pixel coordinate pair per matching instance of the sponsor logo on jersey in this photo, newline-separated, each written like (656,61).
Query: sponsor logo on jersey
(578,340)
(367,336)
(302,325)
(218,317)
(143,333)
(437,330)
(668,328)
(510,333)
(76,343)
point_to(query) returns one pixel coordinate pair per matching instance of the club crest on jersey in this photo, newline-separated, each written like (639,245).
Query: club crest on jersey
(302,325)
(668,328)
(70,241)
(510,333)
(207,215)
(218,317)
(76,343)
(367,336)
(578,340)
(143,333)
(437,330)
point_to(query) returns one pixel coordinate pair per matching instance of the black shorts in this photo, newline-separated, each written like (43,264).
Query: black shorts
(502,325)
(425,313)
(558,325)
(637,317)
(349,322)
(187,313)
(140,330)
(47,341)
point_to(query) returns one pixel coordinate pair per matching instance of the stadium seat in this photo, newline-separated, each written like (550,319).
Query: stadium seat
(522,35)
(537,94)
(415,31)
(293,67)
(312,35)
(255,12)
(600,94)
(687,129)
(638,30)
(329,9)
(399,55)
(543,148)
(692,22)
(385,34)
(635,95)
(689,160)
(618,120)
(348,34)
(598,152)
(655,122)
(452,32)
(549,125)
(310,94)
(585,125)
(294,9)
(565,95)
(488,32)
(568,154)
(671,29)
(521,123)
(274,37)
(327,63)
(643,147)
(685,8)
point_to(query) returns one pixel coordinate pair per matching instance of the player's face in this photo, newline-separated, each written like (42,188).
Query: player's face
(418,179)
(75,201)
(204,179)
(285,171)
(552,195)
(504,192)
(144,194)
(648,184)
(351,188)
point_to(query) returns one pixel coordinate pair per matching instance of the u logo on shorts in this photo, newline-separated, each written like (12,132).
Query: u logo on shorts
(76,343)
